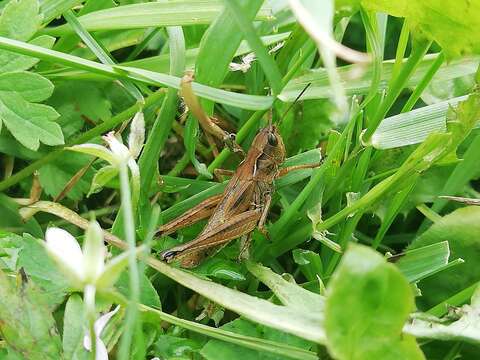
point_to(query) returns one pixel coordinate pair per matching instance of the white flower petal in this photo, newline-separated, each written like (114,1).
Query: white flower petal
(136,138)
(120,151)
(94,252)
(103,320)
(65,250)
(96,150)
(101,350)
(100,323)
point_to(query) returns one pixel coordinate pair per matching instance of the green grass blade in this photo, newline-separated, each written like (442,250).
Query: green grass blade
(100,52)
(251,102)
(249,342)
(413,127)
(52,9)
(320,88)
(412,100)
(425,261)
(152,14)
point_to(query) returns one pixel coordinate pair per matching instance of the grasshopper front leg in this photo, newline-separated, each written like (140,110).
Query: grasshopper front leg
(199,212)
(208,124)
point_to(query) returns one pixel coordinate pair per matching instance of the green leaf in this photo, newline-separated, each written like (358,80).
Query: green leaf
(73,326)
(190,140)
(414,126)
(217,350)
(461,229)
(10,247)
(156,14)
(289,293)
(148,294)
(175,347)
(10,61)
(302,324)
(77,101)
(368,302)
(251,102)
(423,262)
(20,19)
(52,9)
(30,86)
(27,323)
(42,270)
(101,178)
(56,174)
(463,326)
(29,123)
(269,66)
(449,23)
(320,86)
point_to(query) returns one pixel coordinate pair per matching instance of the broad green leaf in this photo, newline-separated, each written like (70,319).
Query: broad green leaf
(217,350)
(449,23)
(461,229)
(101,178)
(91,105)
(10,247)
(169,346)
(20,19)
(368,302)
(148,294)
(42,270)
(73,326)
(155,14)
(56,174)
(30,123)
(27,324)
(30,86)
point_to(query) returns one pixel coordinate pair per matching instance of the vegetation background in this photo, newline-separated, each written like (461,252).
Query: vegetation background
(365,258)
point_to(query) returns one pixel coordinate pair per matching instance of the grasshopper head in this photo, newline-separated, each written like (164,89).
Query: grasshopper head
(270,152)
(274,147)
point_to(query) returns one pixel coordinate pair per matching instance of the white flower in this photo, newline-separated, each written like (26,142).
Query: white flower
(117,153)
(87,266)
(100,323)
(118,149)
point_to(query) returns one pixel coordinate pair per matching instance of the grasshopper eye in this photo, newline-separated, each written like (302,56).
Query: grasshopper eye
(272,139)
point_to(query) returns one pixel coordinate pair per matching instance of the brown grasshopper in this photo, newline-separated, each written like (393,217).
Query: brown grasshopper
(242,206)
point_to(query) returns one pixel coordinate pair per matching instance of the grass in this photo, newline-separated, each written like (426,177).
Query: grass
(358,246)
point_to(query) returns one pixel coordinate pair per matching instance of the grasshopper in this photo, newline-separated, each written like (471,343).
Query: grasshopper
(242,207)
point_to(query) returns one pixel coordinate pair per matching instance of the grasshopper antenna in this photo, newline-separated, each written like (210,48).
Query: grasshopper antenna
(293,103)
